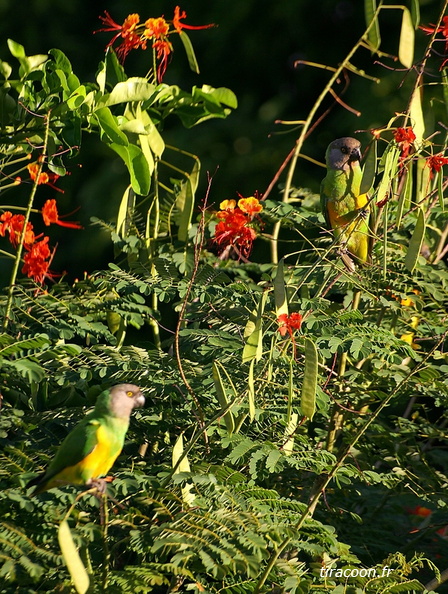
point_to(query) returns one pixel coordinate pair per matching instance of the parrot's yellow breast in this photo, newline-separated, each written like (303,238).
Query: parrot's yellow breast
(97,463)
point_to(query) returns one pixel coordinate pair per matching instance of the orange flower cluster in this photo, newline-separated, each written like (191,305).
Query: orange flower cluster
(45,177)
(135,35)
(289,323)
(37,252)
(404,137)
(234,230)
(436,162)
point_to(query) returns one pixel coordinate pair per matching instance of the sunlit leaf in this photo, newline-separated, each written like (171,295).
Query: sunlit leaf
(417,118)
(75,566)
(281,303)
(374,31)
(222,398)
(406,47)
(369,169)
(416,242)
(253,348)
(309,386)
(192,62)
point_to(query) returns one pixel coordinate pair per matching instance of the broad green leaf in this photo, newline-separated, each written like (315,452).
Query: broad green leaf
(222,398)
(75,566)
(77,98)
(133,89)
(125,212)
(137,166)
(423,180)
(281,302)
(415,13)
(184,466)
(30,370)
(192,62)
(416,113)
(309,386)
(251,390)
(415,245)
(185,200)
(253,349)
(109,126)
(16,49)
(61,61)
(369,169)
(389,161)
(406,47)
(404,201)
(374,32)
(5,69)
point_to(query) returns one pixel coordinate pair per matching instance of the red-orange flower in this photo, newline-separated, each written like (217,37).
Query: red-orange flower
(442,29)
(178,15)
(36,262)
(156,28)
(404,137)
(436,162)
(127,31)
(289,323)
(250,206)
(13,225)
(50,215)
(163,48)
(234,229)
(44,176)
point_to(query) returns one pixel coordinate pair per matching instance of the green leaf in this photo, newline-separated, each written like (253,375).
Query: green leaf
(251,390)
(253,349)
(389,160)
(184,466)
(281,303)
(406,47)
(309,386)
(185,200)
(75,566)
(137,166)
(445,88)
(192,62)
(416,113)
(415,245)
(16,49)
(222,398)
(109,126)
(291,426)
(133,89)
(374,32)
(369,170)
(125,212)
(61,61)
(415,13)
(404,201)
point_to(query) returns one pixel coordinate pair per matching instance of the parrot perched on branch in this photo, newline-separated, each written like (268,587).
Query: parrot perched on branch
(346,211)
(90,449)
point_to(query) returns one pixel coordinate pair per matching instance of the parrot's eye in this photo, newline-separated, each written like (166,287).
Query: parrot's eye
(129,393)
(344,150)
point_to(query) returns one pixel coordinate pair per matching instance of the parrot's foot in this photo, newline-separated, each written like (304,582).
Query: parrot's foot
(100,484)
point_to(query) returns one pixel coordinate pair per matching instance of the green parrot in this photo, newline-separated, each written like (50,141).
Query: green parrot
(90,449)
(346,211)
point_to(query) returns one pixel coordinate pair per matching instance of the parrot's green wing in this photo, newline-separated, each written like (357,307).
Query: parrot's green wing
(78,444)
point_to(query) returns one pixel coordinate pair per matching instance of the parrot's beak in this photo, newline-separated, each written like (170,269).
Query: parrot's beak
(355,155)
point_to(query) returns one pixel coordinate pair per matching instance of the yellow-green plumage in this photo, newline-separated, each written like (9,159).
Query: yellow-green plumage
(345,209)
(91,448)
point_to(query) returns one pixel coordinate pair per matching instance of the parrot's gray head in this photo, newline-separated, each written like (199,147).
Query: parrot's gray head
(343,153)
(125,397)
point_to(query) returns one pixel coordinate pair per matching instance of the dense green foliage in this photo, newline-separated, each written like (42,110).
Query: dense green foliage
(265,453)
